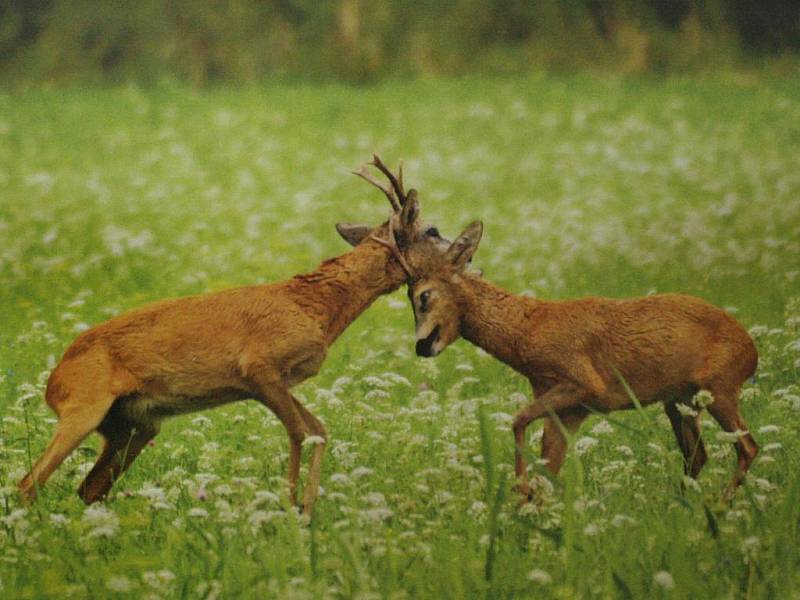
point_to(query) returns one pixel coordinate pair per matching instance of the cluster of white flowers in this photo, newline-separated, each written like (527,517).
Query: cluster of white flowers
(101,520)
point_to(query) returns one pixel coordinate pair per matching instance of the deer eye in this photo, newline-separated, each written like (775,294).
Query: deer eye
(423,300)
(432,232)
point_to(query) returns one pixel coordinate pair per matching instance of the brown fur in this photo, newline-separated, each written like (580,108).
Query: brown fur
(577,353)
(123,377)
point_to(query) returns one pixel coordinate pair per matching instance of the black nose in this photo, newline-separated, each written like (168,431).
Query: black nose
(425,347)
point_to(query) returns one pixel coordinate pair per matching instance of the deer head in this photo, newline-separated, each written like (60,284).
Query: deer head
(436,308)
(408,238)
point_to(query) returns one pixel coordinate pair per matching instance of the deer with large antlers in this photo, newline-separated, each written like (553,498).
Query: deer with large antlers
(591,355)
(123,377)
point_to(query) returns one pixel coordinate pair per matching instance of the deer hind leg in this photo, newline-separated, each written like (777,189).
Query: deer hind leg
(554,444)
(559,399)
(79,416)
(687,433)
(725,410)
(124,440)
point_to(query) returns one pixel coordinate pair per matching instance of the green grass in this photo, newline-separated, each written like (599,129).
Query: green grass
(113,198)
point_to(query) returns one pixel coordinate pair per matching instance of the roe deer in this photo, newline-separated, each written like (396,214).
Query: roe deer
(124,376)
(579,355)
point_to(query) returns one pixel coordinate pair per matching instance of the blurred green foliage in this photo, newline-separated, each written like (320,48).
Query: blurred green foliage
(205,41)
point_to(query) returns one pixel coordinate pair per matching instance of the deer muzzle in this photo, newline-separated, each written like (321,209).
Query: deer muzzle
(425,345)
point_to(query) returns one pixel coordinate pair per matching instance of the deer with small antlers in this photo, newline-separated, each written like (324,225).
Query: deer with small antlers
(592,354)
(123,377)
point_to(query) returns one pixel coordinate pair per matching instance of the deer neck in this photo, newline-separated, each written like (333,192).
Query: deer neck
(343,287)
(493,318)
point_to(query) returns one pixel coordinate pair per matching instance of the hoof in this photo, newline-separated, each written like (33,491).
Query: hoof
(27,492)
(526,493)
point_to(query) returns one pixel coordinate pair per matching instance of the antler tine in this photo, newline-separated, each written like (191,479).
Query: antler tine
(396,184)
(400,177)
(365,175)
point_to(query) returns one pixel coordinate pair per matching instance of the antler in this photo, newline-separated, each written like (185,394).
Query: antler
(397,198)
(397,182)
(365,175)
(396,194)
(391,244)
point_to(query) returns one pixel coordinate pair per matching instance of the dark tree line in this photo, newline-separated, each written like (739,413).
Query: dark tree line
(242,40)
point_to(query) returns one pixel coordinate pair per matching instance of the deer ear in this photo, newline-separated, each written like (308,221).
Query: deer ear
(353,234)
(460,252)
(410,212)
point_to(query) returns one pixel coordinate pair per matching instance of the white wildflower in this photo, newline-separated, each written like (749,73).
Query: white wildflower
(518,399)
(200,513)
(591,530)
(339,479)
(375,499)
(664,580)
(376,515)
(158,579)
(202,421)
(119,583)
(764,484)
(377,382)
(360,472)
(261,517)
(584,444)
(686,411)
(501,418)
(223,489)
(749,548)
(765,429)
(620,521)
(156,496)
(103,521)
(748,394)
(224,512)
(602,427)
(396,303)
(313,440)
(205,478)
(478,508)
(703,398)
(691,484)
(396,379)
(265,496)
(376,394)
(443,496)
(541,577)
(58,519)
(732,436)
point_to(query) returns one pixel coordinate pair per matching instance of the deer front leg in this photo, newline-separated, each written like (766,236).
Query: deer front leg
(561,399)
(299,424)
(317,453)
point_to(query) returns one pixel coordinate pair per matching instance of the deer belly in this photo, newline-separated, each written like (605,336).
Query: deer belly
(145,408)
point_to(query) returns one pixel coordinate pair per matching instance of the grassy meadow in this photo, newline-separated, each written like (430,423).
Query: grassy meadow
(117,197)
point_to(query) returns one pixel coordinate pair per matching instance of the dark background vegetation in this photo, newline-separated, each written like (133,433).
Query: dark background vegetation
(208,41)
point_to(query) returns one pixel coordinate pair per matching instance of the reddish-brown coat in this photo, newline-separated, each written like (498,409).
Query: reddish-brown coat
(579,355)
(124,376)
